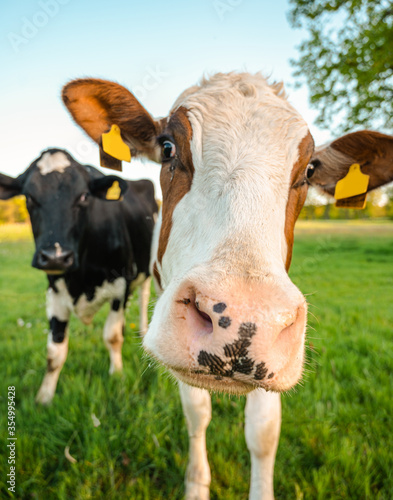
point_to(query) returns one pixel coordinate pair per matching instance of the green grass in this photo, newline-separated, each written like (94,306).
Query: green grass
(336,439)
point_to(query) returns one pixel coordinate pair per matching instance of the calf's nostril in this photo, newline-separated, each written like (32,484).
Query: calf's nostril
(205,316)
(202,319)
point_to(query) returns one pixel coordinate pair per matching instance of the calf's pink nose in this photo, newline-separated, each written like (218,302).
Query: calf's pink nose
(252,333)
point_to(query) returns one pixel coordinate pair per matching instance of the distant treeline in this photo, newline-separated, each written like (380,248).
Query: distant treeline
(379,205)
(313,212)
(14,210)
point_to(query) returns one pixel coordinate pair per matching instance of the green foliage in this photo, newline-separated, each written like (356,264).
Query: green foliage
(13,210)
(389,206)
(336,438)
(347,60)
(379,206)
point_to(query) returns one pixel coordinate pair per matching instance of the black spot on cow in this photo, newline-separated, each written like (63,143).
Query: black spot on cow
(213,362)
(260,371)
(243,365)
(219,308)
(247,330)
(58,329)
(237,349)
(115,305)
(236,353)
(224,321)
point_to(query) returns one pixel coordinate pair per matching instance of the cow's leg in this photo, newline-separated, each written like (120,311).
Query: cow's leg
(197,409)
(113,335)
(57,354)
(144,295)
(263,423)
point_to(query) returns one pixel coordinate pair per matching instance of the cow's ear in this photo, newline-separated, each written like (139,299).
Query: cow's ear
(9,187)
(371,150)
(96,105)
(109,187)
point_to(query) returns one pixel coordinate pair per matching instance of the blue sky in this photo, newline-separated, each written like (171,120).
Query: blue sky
(156,49)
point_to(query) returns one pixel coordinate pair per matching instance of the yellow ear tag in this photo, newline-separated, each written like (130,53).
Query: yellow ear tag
(114,192)
(113,144)
(358,201)
(354,183)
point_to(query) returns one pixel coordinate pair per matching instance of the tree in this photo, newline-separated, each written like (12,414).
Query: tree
(347,61)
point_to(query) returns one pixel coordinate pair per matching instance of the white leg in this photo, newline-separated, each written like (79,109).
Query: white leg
(58,313)
(144,295)
(263,423)
(197,410)
(57,354)
(113,338)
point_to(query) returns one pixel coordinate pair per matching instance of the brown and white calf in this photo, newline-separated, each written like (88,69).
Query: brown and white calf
(234,157)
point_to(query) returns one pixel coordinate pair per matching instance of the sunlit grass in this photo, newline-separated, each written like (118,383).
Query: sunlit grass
(336,438)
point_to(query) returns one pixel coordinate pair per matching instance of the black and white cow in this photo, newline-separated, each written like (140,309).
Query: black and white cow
(94,251)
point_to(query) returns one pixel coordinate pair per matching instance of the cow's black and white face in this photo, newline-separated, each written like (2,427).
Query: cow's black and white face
(59,193)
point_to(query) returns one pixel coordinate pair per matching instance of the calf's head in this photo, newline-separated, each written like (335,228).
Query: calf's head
(235,171)
(59,194)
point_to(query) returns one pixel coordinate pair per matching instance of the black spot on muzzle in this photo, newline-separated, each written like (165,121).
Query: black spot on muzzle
(224,321)
(236,354)
(219,308)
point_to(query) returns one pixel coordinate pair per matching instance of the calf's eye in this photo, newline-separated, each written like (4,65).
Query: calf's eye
(168,150)
(310,170)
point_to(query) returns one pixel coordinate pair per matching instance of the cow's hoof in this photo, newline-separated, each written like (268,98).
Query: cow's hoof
(44,397)
(195,491)
(116,370)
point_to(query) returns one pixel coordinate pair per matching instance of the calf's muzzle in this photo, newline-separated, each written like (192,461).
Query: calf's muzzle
(235,336)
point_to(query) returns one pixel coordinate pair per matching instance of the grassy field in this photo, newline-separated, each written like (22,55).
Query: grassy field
(336,439)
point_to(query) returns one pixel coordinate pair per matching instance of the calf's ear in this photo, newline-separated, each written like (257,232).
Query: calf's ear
(96,105)
(9,187)
(371,150)
(110,187)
